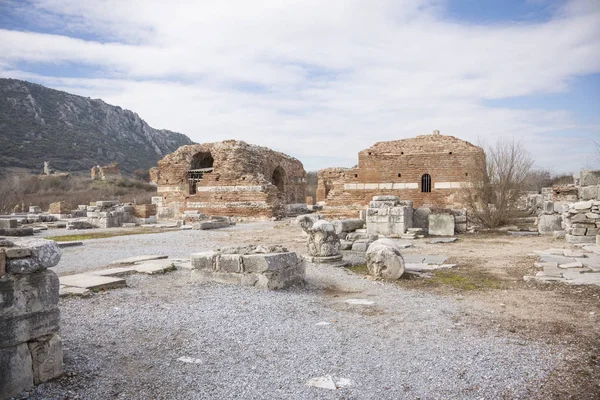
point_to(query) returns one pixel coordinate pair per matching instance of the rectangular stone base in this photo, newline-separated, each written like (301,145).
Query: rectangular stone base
(266,271)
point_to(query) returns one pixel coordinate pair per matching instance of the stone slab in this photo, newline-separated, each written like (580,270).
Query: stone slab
(136,259)
(422,267)
(92,282)
(435,259)
(414,258)
(116,271)
(152,268)
(73,291)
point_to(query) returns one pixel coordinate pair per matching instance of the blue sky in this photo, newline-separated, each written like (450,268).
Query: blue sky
(323,80)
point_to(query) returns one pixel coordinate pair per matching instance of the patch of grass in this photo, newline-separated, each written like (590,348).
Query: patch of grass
(360,269)
(100,235)
(464,282)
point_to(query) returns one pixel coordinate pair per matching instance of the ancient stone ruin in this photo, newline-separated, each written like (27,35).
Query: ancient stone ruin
(271,267)
(108,172)
(30,348)
(230,178)
(429,170)
(384,259)
(323,242)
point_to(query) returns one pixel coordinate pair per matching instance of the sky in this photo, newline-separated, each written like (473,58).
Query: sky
(322,80)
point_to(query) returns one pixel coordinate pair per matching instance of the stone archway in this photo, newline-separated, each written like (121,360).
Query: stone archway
(201,164)
(278,179)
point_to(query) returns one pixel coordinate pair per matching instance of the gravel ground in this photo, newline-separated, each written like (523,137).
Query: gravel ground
(97,253)
(254,344)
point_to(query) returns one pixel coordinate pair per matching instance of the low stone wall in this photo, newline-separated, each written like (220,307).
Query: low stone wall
(266,268)
(582,222)
(30,348)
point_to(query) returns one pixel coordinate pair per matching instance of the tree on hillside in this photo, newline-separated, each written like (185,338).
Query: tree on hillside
(496,183)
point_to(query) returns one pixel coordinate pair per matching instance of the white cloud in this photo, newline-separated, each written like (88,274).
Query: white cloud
(323,79)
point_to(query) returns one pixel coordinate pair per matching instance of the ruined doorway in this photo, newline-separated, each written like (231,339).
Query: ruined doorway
(202,163)
(426,183)
(278,179)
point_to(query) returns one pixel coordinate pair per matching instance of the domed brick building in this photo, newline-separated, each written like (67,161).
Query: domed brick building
(229,178)
(427,169)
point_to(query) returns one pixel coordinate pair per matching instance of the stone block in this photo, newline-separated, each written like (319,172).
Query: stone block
(360,245)
(547,224)
(582,205)
(205,225)
(229,263)
(35,209)
(578,231)
(345,245)
(44,254)
(548,207)
(558,234)
(47,358)
(381,204)
(579,239)
(421,217)
(386,198)
(8,223)
(80,225)
(589,192)
(16,231)
(18,252)
(589,177)
(348,225)
(21,328)
(204,261)
(441,224)
(591,232)
(362,214)
(16,371)
(21,294)
(269,262)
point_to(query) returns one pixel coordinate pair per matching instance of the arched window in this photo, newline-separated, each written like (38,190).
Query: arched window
(278,179)
(426,183)
(201,164)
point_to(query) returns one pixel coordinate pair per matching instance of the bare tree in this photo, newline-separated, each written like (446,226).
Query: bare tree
(497,182)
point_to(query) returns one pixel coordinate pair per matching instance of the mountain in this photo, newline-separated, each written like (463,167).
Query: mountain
(75,133)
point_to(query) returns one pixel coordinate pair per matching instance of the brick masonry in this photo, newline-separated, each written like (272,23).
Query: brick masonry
(396,168)
(242,182)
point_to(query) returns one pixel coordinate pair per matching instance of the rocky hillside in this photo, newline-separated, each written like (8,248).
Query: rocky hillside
(74,133)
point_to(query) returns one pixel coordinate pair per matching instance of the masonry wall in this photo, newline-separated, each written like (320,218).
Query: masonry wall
(396,168)
(30,348)
(241,183)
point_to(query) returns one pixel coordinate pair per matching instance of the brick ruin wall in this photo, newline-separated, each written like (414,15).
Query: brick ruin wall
(111,171)
(387,169)
(241,183)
